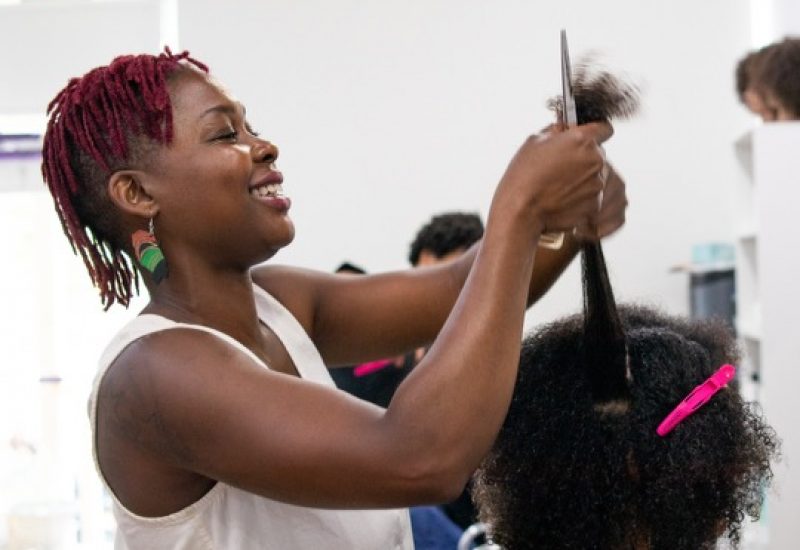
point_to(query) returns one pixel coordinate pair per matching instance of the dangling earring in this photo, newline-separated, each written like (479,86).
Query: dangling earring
(148,253)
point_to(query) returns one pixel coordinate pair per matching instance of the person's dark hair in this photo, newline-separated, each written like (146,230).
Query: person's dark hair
(779,74)
(601,96)
(578,463)
(107,120)
(744,73)
(347,267)
(566,474)
(445,233)
(741,76)
(748,71)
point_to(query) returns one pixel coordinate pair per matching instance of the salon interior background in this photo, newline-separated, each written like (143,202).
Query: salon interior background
(385,113)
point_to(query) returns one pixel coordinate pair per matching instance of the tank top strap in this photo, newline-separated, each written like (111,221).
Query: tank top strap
(272,313)
(291,333)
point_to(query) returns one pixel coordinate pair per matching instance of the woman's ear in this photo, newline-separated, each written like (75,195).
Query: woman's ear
(127,193)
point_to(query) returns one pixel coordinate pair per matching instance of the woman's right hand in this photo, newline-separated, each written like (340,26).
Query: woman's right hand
(554,180)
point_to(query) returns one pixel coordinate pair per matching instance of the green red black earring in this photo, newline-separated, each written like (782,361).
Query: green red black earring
(149,254)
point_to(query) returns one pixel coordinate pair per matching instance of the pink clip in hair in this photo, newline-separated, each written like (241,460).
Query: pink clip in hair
(699,397)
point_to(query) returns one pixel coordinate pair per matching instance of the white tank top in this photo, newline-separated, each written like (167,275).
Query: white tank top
(227,518)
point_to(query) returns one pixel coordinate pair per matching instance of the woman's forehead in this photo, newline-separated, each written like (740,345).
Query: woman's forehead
(193,93)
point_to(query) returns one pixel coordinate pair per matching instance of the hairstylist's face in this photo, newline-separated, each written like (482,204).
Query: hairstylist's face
(216,186)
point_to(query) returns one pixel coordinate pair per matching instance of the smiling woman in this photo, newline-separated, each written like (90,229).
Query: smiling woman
(74,159)
(215,422)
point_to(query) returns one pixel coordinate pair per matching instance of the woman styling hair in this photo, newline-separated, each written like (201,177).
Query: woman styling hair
(215,423)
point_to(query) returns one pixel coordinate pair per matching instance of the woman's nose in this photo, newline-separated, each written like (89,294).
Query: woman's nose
(264,151)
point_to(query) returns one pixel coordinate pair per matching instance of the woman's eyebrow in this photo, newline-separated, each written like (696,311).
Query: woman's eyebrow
(224,108)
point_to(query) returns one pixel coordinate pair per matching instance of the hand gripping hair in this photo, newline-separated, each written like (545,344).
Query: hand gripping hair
(578,463)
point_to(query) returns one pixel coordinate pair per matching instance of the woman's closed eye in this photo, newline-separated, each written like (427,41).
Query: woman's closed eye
(230,134)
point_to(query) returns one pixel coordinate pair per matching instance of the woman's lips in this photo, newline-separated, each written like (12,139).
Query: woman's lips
(269,191)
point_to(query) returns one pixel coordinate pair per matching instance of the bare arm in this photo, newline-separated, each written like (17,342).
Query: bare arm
(356,319)
(373,316)
(207,408)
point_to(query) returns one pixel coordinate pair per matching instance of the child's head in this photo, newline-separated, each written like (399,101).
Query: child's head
(566,472)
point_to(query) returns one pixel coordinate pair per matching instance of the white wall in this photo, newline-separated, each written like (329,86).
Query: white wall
(388,112)
(775,303)
(773,19)
(45,43)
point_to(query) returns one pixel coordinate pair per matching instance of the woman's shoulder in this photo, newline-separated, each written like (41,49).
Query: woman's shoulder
(158,354)
(151,400)
(172,375)
(163,357)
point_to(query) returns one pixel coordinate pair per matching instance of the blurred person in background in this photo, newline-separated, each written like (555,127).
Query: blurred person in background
(768,81)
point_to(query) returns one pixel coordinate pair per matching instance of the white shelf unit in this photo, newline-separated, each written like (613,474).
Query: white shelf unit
(768,309)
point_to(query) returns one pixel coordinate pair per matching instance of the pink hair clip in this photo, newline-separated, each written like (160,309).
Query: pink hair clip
(368,368)
(699,397)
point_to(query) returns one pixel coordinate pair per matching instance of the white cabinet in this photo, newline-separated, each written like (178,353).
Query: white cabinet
(768,308)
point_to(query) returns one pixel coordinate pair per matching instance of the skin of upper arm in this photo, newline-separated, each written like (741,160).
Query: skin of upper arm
(364,317)
(356,318)
(198,404)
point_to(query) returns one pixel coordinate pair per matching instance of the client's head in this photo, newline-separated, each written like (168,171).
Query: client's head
(567,472)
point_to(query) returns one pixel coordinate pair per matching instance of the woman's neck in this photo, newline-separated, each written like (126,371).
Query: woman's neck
(219,299)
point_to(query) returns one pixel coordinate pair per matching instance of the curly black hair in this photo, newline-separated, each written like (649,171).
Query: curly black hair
(445,233)
(578,463)
(565,473)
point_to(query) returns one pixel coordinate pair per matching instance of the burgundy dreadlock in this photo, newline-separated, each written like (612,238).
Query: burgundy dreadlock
(98,123)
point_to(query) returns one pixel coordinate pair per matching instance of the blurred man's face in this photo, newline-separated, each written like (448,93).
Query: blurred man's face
(777,109)
(756,105)
(426,257)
